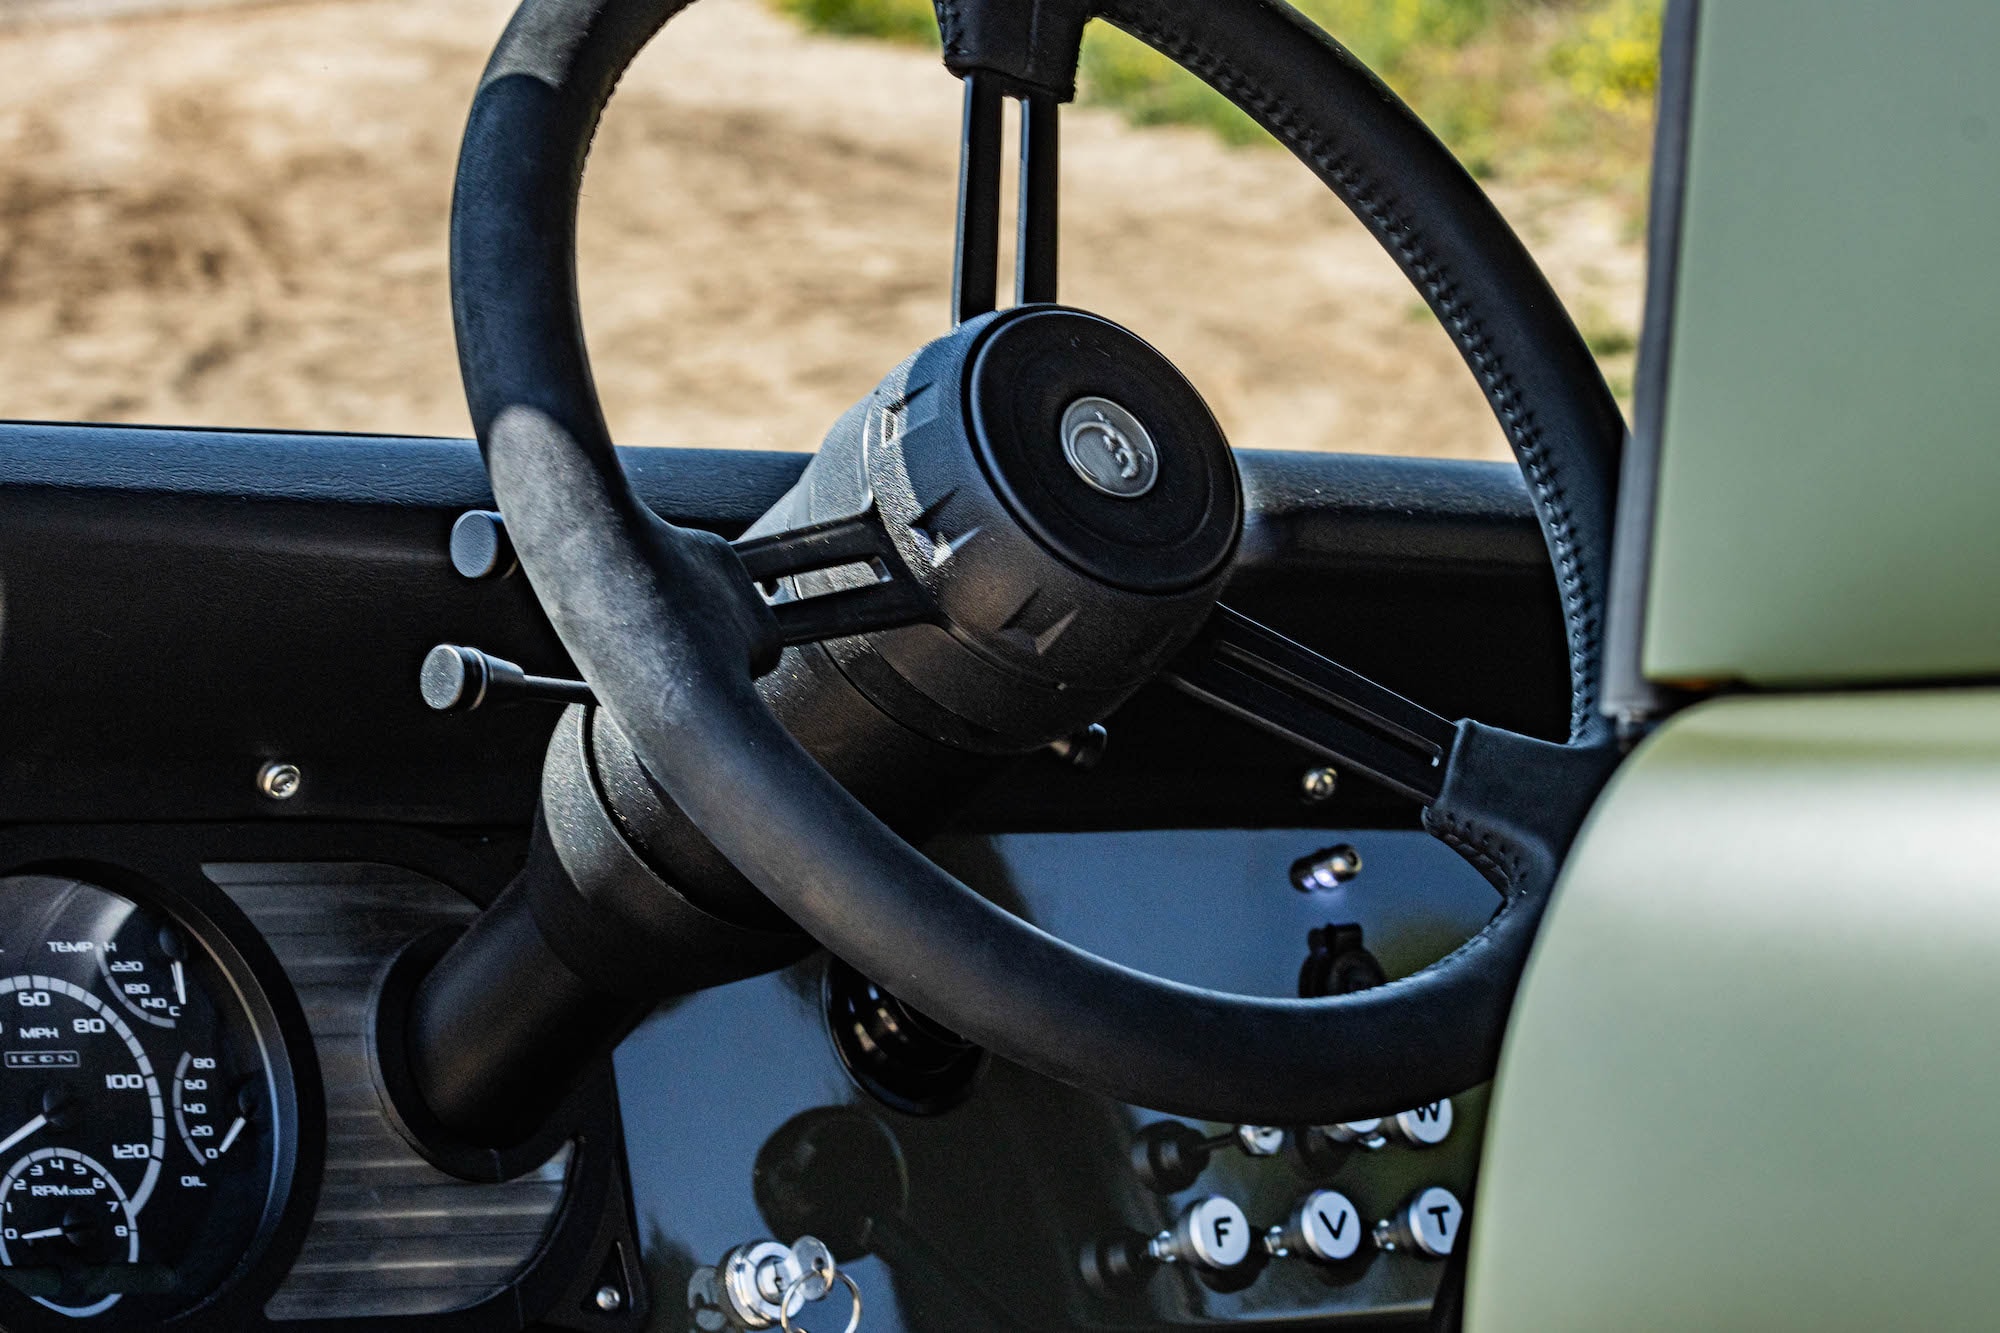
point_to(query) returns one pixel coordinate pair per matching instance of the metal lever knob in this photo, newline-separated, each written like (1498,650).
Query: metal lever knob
(1324,1227)
(1211,1236)
(457,680)
(1211,1233)
(1357,1133)
(1427,1224)
(1425,1127)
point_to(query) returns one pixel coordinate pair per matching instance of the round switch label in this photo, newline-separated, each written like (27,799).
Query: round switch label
(1329,1226)
(1433,1219)
(1426,1126)
(1218,1234)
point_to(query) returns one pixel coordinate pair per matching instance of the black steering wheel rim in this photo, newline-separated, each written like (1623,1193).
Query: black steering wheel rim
(658,618)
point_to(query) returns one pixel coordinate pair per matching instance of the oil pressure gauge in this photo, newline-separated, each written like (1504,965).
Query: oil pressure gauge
(147,1106)
(215,1110)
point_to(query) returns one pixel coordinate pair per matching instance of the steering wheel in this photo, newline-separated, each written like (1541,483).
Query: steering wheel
(1027,520)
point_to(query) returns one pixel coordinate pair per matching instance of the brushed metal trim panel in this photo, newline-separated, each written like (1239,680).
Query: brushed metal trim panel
(392,1235)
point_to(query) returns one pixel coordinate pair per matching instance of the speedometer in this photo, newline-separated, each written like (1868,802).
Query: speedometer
(72,1062)
(145,1105)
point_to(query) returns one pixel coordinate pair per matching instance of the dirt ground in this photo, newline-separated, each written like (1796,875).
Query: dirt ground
(236,216)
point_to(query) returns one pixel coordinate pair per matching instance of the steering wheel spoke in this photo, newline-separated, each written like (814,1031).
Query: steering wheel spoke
(1036,227)
(1257,674)
(878,594)
(975,287)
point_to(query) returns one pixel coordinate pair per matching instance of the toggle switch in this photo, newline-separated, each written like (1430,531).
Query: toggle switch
(1357,1133)
(1427,1224)
(1212,1233)
(1324,1227)
(1260,1140)
(1325,1148)
(1425,1127)
(1326,869)
(1212,1238)
(1169,1156)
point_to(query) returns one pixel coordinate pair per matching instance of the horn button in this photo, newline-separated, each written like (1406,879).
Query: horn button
(1103,451)
(1067,501)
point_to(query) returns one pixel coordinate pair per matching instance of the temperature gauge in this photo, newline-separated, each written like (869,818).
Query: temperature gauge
(145,967)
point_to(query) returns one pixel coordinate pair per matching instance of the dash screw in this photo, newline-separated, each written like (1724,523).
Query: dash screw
(280,782)
(1319,784)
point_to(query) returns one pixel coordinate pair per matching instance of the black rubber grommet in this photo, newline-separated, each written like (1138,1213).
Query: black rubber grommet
(389,1065)
(895,1054)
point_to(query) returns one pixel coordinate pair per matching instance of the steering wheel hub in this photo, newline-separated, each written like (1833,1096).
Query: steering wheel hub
(1056,397)
(1059,585)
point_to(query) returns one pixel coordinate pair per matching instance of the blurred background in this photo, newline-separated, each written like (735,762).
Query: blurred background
(234,214)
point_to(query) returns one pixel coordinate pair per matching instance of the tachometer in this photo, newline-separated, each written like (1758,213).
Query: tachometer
(64,1220)
(144,1099)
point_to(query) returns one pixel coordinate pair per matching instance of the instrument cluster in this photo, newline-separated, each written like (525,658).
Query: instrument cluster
(149,1117)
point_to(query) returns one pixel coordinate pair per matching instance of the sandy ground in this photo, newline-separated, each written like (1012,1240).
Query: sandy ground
(236,217)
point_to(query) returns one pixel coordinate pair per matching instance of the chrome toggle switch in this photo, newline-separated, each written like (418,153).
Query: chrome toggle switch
(1325,1227)
(1170,1156)
(1212,1237)
(1424,1127)
(1212,1233)
(1427,1224)
(1367,1133)
(1260,1140)
(1323,1149)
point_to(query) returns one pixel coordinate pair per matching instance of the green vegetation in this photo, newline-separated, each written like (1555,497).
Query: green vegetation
(898,20)
(1542,89)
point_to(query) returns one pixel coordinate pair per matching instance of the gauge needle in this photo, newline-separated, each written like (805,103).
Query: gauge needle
(23,1132)
(180,983)
(46,1233)
(228,1138)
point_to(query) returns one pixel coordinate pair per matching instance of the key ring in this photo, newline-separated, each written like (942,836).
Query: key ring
(797,1287)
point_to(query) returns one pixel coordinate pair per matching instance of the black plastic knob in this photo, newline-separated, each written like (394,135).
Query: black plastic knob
(456,679)
(1169,1156)
(480,548)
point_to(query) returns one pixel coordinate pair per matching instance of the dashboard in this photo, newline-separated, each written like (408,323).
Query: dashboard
(225,1160)
(196,1129)
(1030,1205)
